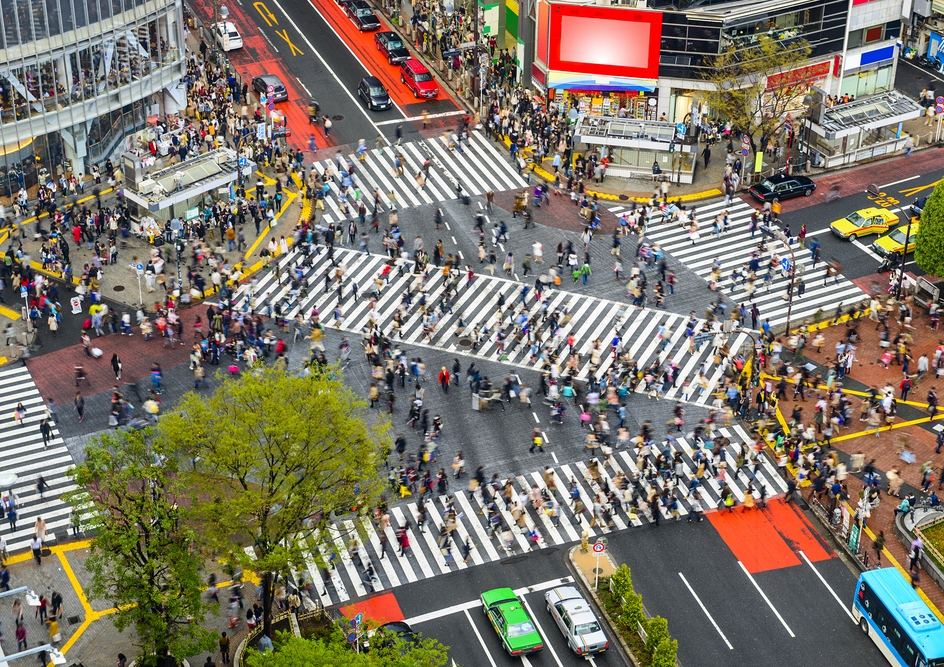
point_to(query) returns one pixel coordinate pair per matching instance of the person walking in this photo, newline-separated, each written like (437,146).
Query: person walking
(11,517)
(36,546)
(537,441)
(46,430)
(444,379)
(224,648)
(404,540)
(21,637)
(79,404)
(878,545)
(116,365)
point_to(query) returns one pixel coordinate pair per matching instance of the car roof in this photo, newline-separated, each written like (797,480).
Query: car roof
(514,612)
(397,626)
(387,33)
(498,594)
(358,4)
(566,592)
(415,64)
(229,26)
(270,79)
(372,81)
(870,211)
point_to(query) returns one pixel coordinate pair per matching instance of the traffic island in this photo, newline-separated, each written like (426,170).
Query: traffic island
(644,639)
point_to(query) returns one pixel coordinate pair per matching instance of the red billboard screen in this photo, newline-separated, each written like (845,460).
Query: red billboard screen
(605,40)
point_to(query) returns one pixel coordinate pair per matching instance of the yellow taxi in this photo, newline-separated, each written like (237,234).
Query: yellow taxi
(864,221)
(895,241)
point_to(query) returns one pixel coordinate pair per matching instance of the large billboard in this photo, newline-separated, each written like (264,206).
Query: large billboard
(605,41)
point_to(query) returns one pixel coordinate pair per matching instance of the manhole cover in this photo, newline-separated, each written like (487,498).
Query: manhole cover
(465,343)
(598,570)
(337,117)
(119,288)
(73,620)
(624,197)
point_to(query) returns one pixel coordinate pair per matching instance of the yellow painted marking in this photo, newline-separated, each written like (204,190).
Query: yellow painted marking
(294,49)
(265,13)
(9,312)
(911,192)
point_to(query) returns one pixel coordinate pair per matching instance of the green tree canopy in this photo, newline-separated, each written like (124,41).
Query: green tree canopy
(143,559)
(756,85)
(279,456)
(929,243)
(299,652)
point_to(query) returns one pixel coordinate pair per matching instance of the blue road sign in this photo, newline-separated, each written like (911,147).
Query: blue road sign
(785,264)
(358,619)
(243,162)
(680,128)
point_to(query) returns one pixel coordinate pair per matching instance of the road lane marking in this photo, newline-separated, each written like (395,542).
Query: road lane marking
(325,63)
(536,417)
(292,48)
(828,587)
(479,636)
(445,114)
(537,624)
(474,604)
(904,180)
(303,86)
(700,604)
(767,600)
(868,251)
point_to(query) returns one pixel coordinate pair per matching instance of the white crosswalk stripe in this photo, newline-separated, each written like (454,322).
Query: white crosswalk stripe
(734,247)
(480,167)
(25,460)
(424,559)
(476,305)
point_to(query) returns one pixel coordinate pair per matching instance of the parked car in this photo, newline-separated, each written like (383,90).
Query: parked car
(373,93)
(418,79)
(782,186)
(362,15)
(260,84)
(227,36)
(391,46)
(575,619)
(862,222)
(511,621)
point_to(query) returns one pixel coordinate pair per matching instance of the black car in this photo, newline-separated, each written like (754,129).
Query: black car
(781,187)
(362,15)
(260,84)
(918,205)
(391,46)
(373,93)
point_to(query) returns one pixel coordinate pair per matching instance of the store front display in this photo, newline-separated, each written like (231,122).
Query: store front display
(629,104)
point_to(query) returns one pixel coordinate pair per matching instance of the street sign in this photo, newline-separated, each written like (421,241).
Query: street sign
(598,547)
(940,99)
(785,264)
(263,99)
(939,108)
(23,292)
(270,89)
(76,302)
(243,162)
(680,129)
(139,266)
(746,140)
(271,106)
(359,619)
(351,638)
(745,151)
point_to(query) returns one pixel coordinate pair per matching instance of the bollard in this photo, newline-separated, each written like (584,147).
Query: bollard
(584,542)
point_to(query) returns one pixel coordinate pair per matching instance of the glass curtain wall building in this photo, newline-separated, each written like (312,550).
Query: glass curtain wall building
(78,76)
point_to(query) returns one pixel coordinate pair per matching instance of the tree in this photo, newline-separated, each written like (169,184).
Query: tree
(657,631)
(929,244)
(665,653)
(280,455)
(757,85)
(299,652)
(143,559)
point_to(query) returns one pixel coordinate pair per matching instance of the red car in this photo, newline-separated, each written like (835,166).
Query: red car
(418,79)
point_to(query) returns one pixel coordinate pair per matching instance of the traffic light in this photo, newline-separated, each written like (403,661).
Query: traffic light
(672,146)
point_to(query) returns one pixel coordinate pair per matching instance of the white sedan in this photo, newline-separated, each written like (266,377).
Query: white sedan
(575,619)
(228,36)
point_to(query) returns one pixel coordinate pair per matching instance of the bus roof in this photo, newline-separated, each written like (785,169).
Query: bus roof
(911,612)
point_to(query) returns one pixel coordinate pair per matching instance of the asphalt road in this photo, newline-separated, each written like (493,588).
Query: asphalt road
(328,56)
(857,258)
(763,618)
(911,79)
(456,619)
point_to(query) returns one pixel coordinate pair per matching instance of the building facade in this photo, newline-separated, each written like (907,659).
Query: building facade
(78,77)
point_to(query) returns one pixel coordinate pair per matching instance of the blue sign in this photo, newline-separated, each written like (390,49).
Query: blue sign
(352,623)
(351,638)
(744,152)
(785,264)
(23,292)
(680,128)
(243,162)
(271,106)
(139,266)
(358,619)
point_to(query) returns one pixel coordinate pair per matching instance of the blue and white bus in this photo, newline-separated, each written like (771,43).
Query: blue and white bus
(904,628)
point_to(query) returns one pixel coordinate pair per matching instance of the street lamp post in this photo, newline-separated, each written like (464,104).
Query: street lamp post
(904,255)
(220,12)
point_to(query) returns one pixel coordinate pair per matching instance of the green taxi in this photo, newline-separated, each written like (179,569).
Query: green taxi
(512,623)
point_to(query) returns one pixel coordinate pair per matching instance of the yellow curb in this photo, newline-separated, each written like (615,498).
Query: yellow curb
(828,322)
(549,177)
(9,312)
(845,390)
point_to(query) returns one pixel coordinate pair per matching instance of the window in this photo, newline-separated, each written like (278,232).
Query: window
(875,34)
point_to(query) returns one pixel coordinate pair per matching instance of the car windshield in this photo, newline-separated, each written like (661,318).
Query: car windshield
(364,12)
(767,184)
(856,219)
(521,629)
(378,92)
(394,44)
(898,236)
(424,76)
(586,628)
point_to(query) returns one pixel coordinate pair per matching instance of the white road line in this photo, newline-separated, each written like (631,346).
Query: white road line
(904,180)
(444,114)
(479,637)
(300,83)
(536,417)
(327,67)
(845,608)
(554,456)
(547,644)
(445,611)
(868,251)
(700,604)
(767,600)
(818,232)
(454,240)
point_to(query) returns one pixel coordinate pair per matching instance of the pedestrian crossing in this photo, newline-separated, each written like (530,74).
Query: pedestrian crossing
(338,568)
(474,312)
(734,247)
(476,164)
(24,460)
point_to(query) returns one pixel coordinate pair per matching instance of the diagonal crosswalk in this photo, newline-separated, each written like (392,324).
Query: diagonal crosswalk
(338,572)
(479,167)
(734,247)
(24,460)
(475,307)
